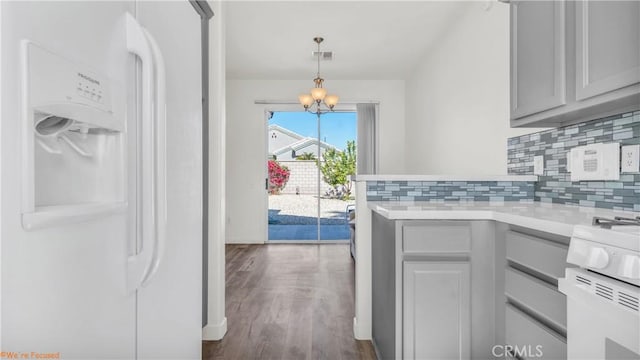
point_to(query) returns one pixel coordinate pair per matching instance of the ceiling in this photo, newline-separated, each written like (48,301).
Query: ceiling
(370,39)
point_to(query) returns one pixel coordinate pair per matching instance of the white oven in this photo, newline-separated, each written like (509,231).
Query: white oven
(603,294)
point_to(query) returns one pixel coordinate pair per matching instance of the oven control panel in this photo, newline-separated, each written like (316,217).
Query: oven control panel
(617,262)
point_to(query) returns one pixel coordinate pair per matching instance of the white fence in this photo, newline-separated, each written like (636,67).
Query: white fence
(303,178)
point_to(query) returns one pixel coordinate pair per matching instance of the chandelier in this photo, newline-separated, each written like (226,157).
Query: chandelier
(318,94)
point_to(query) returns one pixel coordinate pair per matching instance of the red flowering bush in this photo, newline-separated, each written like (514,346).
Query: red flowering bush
(278,177)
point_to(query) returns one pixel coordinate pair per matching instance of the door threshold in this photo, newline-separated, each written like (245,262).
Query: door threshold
(311,242)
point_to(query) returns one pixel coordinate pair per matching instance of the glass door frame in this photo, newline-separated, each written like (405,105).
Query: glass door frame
(290,107)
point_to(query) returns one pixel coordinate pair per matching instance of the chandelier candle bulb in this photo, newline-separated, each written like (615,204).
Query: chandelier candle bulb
(306,100)
(331,100)
(318,94)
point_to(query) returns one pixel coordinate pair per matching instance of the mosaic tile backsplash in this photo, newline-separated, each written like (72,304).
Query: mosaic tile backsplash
(441,191)
(556,186)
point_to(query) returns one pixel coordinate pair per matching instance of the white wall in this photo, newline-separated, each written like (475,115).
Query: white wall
(458,98)
(246,141)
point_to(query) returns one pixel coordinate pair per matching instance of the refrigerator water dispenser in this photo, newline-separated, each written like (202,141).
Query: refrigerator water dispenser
(73,142)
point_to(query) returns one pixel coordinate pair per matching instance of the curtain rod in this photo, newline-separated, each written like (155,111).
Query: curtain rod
(293,102)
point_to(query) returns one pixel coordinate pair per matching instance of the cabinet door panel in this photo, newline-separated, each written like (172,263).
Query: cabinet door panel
(436,316)
(537,56)
(607,46)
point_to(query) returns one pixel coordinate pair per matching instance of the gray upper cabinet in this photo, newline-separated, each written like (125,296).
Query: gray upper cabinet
(573,61)
(537,56)
(604,60)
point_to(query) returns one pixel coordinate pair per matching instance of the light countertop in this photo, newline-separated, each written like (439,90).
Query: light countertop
(553,218)
(392,177)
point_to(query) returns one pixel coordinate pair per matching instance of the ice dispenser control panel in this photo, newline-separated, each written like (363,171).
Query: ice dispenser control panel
(55,83)
(89,88)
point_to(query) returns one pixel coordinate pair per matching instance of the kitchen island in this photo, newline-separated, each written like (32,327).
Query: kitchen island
(454,280)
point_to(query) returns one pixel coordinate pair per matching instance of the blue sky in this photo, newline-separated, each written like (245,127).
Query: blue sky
(335,128)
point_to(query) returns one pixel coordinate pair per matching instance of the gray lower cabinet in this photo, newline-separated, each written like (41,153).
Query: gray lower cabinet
(433,289)
(573,61)
(533,310)
(436,319)
(445,289)
(531,340)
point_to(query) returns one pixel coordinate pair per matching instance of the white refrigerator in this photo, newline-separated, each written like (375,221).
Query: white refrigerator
(100,183)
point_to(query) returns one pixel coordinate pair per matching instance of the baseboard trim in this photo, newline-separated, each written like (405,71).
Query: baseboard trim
(307,242)
(243,241)
(215,332)
(361,331)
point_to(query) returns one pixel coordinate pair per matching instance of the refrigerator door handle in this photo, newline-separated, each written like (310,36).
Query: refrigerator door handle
(138,265)
(160,178)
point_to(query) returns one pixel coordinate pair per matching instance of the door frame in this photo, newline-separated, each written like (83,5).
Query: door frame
(205,12)
(272,107)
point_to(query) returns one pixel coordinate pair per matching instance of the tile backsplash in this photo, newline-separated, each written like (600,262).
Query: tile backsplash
(441,191)
(555,185)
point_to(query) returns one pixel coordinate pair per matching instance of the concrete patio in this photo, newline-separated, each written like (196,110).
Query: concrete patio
(294,217)
(308,232)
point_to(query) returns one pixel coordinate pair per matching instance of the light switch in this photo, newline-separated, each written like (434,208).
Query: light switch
(538,165)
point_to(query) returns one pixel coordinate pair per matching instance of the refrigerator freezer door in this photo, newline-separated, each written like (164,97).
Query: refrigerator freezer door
(169,305)
(63,288)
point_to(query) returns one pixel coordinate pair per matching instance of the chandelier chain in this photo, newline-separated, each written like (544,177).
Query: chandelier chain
(318,95)
(318,55)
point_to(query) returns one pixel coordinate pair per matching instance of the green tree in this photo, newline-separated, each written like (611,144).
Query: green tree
(337,167)
(306,156)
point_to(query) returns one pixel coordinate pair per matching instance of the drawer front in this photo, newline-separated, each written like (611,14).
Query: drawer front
(437,238)
(537,295)
(544,256)
(530,339)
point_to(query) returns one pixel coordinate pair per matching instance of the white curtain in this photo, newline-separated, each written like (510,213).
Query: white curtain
(366,147)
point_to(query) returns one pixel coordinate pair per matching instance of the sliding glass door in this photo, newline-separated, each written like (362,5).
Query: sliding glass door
(309,159)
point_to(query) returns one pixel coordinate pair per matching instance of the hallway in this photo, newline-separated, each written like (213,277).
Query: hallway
(289,302)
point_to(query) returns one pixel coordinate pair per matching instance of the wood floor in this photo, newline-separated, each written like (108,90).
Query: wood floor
(289,302)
